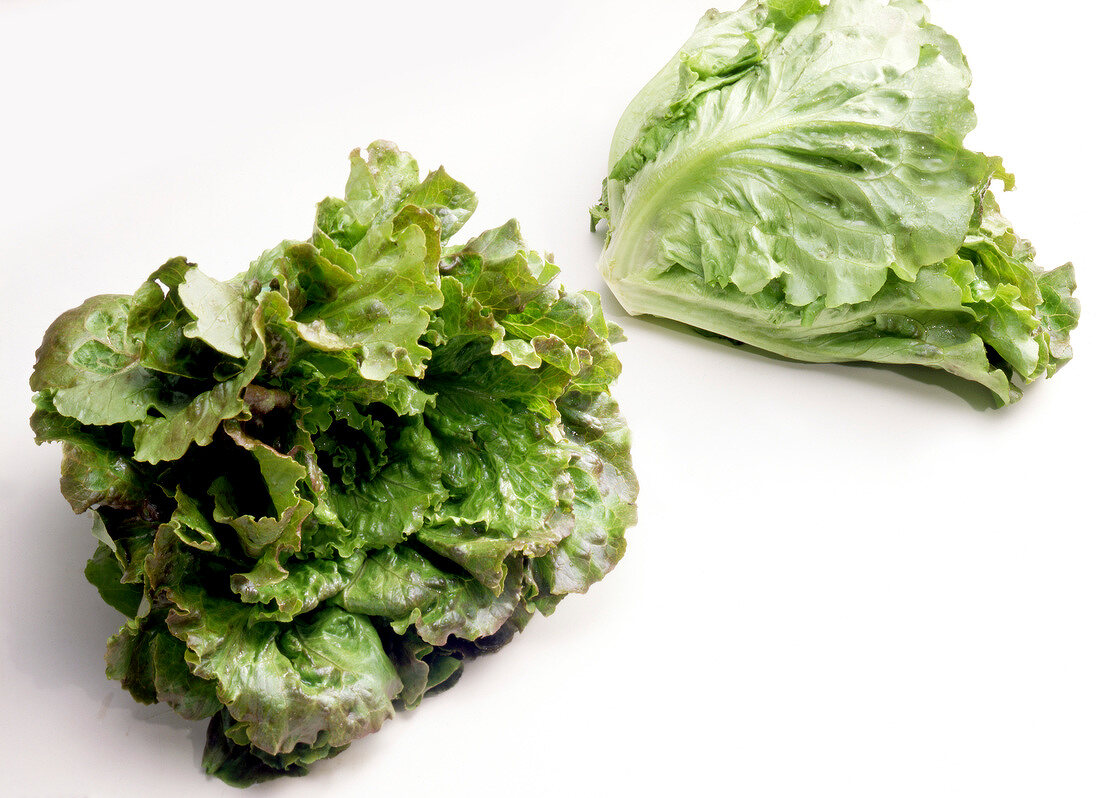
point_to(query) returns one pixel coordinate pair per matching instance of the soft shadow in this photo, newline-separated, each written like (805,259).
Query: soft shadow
(59,627)
(163,715)
(611,307)
(976,396)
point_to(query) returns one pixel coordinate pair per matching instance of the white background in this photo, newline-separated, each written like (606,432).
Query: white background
(846,581)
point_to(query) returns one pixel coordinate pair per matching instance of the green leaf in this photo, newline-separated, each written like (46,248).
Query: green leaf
(383,314)
(222,312)
(191,697)
(483,552)
(501,469)
(92,476)
(422,667)
(380,183)
(105,573)
(195,420)
(603,507)
(130,661)
(496,289)
(191,526)
(322,681)
(298,588)
(169,436)
(388,508)
(158,320)
(832,163)
(1060,312)
(264,536)
(90,365)
(404,587)
(445,198)
(241,765)
(151,665)
(499,271)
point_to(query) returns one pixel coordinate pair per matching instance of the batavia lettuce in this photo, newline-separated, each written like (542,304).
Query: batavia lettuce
(795,178)
(323,485)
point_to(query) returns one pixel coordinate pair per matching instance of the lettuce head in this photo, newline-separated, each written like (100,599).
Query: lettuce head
(796,178)
(322,486)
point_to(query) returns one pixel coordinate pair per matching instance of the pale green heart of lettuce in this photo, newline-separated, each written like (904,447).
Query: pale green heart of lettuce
(323,485)
(795,178)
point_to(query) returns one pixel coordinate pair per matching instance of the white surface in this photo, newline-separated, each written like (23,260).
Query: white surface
(846,581)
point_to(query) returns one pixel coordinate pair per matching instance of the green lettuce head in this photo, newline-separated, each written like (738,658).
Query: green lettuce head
(323,485)
(796,179)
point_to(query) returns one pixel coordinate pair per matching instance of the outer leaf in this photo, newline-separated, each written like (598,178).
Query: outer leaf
(327,680)
(603,504)
(445,198)
(302,587)
(484,552)
(242,765)
(833,162)
(158,319)
(103,571)
(422,667)
(404,587)
(1060,312)
(150,664)
(90,364)
(91,476)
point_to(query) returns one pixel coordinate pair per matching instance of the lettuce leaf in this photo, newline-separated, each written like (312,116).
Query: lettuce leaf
(322,486)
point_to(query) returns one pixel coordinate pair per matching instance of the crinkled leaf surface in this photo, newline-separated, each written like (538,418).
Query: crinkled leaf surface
(323,679)
(89,363)
(324,485)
